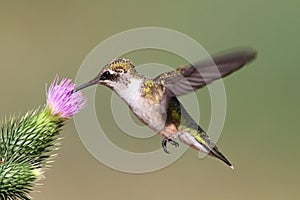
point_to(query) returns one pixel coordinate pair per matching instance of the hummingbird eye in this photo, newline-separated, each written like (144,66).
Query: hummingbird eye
(105,76)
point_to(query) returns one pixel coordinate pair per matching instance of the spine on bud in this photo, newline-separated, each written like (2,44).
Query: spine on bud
(26,144)
(16,180)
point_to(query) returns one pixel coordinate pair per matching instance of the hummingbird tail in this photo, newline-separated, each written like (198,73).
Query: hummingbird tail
(211,148)
(216,153)
(201,142)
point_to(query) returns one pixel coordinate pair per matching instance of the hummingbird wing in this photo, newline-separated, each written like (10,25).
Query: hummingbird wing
(194,76)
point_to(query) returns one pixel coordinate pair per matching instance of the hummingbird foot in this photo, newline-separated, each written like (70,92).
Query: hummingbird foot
(164,144)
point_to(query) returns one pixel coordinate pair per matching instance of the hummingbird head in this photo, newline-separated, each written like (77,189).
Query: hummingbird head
(112,75)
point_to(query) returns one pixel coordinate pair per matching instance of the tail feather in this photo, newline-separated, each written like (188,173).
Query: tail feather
(211,147)
(201,142)
(194,136)
(216,153)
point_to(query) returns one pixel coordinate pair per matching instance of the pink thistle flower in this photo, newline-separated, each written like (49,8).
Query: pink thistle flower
(62,101)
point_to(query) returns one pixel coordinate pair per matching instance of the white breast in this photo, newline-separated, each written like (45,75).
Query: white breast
(151,114)
(130,92)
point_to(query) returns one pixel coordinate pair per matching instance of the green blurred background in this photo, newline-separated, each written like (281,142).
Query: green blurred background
(261,136)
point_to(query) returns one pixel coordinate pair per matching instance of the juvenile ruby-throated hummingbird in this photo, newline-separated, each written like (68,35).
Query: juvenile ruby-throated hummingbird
(155,103)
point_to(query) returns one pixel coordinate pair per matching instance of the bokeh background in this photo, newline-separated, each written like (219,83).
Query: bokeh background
(261,134)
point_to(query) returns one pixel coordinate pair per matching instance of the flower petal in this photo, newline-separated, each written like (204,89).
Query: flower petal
(60,99)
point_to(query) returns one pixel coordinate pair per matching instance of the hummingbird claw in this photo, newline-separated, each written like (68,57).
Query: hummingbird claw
(172,142)
(164,144)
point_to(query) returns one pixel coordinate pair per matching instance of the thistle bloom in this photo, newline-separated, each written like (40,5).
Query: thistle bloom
(27,143)
(61,102)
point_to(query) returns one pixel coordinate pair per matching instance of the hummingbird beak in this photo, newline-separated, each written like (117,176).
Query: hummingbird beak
(85,85)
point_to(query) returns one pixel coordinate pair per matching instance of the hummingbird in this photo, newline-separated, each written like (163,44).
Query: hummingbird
(155,103)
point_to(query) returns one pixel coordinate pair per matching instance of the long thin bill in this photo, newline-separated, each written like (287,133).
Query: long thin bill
(85,85)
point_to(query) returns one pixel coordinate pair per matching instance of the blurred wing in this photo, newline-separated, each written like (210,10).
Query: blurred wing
(189,78)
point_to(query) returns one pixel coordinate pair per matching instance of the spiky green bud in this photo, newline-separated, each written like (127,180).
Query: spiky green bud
(17,180)
(27,142)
